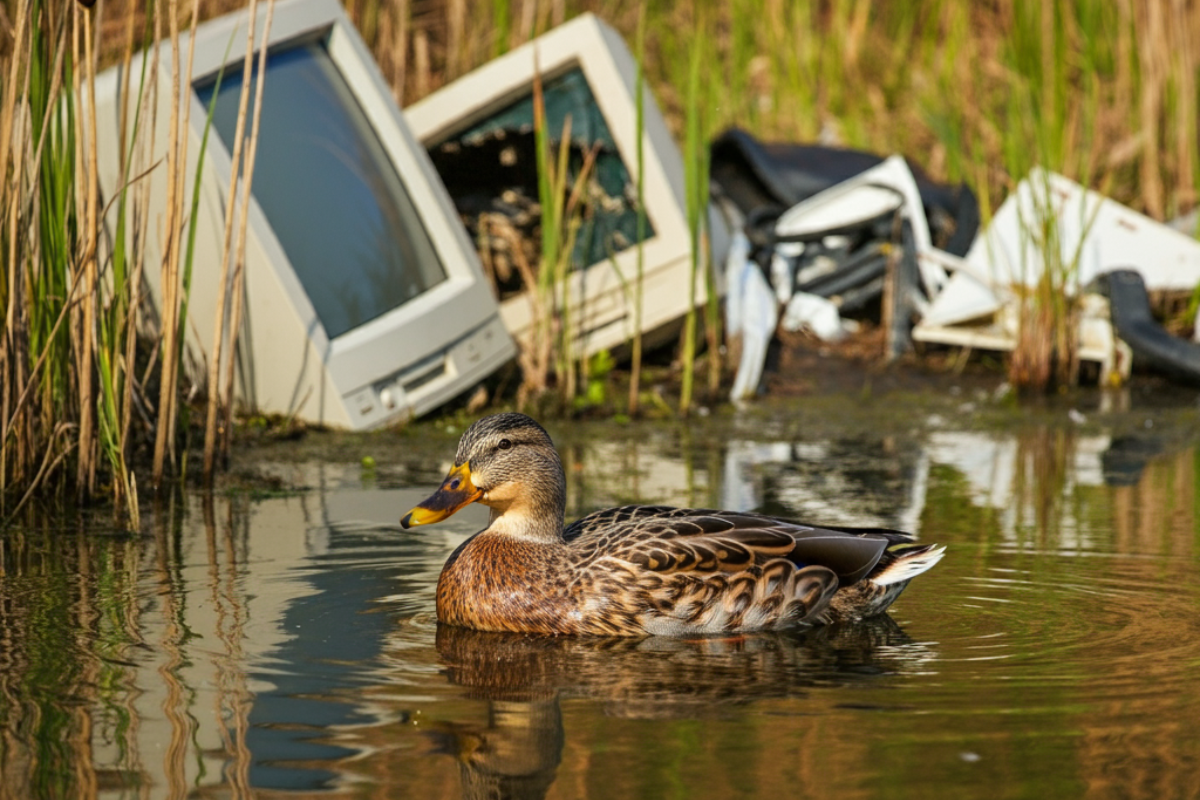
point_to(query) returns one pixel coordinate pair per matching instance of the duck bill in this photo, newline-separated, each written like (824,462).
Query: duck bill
(454,493)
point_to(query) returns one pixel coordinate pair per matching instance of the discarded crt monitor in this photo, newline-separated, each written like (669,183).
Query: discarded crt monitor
(480,134)
(364,301)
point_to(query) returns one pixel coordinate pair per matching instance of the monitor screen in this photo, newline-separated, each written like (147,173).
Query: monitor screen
(491,169)
(325,183)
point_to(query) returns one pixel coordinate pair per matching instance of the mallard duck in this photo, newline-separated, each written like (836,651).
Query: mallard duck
(642,570)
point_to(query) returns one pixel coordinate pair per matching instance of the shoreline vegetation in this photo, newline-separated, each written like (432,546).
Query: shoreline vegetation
(95,392)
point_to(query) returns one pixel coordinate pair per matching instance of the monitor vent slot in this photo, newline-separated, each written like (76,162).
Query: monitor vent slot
(424,375)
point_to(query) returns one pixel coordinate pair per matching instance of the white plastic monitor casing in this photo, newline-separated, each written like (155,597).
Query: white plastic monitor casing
(602,302)
(404,363)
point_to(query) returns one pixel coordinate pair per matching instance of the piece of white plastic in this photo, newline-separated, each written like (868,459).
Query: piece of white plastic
(735,263)
(816,314)
(862,197)
(963,298)
(1091,234)
(758,316)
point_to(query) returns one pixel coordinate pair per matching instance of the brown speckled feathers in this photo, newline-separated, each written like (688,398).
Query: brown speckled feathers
(641,570)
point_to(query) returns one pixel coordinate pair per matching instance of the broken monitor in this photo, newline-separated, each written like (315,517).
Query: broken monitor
(481,136)
(364,301)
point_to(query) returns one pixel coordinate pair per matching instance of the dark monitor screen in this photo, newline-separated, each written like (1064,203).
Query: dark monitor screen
(328,189)
(491,168)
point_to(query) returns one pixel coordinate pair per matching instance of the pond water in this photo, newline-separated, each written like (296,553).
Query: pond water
(285,644)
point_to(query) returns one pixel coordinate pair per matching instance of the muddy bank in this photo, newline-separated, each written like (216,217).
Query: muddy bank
(815,391)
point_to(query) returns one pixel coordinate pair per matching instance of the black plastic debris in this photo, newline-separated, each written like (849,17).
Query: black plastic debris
(753,175)
(1129,305)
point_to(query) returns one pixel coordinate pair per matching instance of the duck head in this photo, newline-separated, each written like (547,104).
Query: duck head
(508,463)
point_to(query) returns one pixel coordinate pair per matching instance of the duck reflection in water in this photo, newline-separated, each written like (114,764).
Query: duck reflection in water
(516,754)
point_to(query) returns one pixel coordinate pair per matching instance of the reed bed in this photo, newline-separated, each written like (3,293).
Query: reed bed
(1103,91)
(92,377)
(51,291)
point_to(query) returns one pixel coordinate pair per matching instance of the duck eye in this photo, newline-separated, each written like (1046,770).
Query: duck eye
(504,444)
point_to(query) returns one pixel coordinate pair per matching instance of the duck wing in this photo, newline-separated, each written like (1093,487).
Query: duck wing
(672,540)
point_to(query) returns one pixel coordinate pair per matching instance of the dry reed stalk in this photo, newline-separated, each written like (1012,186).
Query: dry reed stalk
(218,342)
(635,370)
(50,462)
(8,111)
(185,106)
(75,260)
(399,49)
(421,64)
(140,229)
(533,354)
(524,32)
(7,362)
(560,269)
(456,28)
(544,286)
(1126,57)
(712,327)
(28,385)
(172,331)
(695,177)
(571,217)
(10,180)
(1183,67)
(239,271)
(170,264)
(125,408)
(123,110)
(542,24)
(1153,71)
(86,475)
(484,38)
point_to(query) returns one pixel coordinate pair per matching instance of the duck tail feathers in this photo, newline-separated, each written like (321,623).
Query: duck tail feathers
(908,561)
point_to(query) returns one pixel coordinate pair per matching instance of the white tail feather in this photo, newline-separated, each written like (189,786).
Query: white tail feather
(908,566)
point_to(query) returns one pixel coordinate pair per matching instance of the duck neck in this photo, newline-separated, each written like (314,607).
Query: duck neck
(534,509)
(520,523)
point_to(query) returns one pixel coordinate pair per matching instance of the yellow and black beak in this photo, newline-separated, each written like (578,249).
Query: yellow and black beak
(454,493)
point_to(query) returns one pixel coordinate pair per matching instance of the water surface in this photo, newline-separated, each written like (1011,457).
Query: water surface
(286,644)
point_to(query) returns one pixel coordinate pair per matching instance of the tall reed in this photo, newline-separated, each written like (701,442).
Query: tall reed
(173,300)
(117,351)
(226,324)
(562,198)
(695,161)
(639,92)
